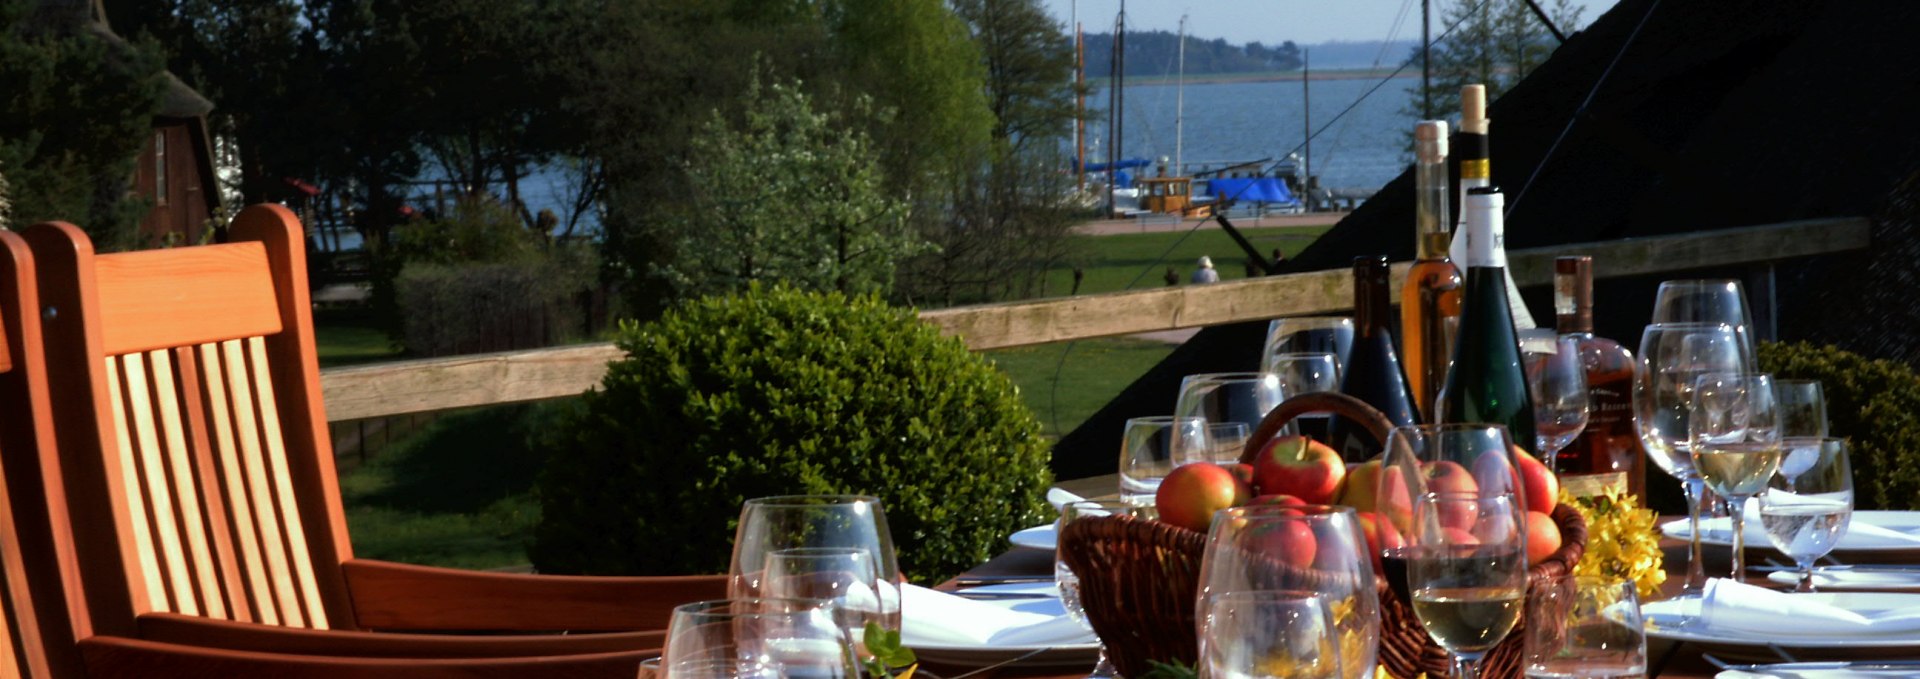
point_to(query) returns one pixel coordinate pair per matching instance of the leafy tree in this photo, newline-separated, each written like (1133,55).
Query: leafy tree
(1496,43)
(917,61)
(785,194)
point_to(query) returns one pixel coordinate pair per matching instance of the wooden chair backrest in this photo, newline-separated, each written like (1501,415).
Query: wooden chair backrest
(192,426)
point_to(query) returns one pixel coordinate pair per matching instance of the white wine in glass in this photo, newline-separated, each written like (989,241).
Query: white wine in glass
(1735,434)
(1468,573)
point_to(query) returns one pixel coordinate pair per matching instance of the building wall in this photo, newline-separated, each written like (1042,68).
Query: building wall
(169,177)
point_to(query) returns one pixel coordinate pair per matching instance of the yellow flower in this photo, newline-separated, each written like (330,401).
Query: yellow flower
(1623,540)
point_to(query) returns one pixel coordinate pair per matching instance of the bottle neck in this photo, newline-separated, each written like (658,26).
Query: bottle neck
(1486,246)
(1572,303)
(1434,227)
(1471,150)
(1372,299)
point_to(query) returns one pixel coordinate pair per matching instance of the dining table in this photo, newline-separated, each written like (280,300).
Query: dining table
(1665,659)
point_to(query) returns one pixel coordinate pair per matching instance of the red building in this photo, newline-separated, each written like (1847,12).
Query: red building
(175,172)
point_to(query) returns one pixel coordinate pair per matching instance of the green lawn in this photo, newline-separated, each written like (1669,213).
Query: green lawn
(1139,261)
(1066,382)
(345,336)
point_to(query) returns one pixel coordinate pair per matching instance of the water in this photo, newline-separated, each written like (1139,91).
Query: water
(1254,120)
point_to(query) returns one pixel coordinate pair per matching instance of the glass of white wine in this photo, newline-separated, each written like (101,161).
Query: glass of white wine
(1809,502)
(1672,356)
(1270,634)
(1734,429)
(1468,572)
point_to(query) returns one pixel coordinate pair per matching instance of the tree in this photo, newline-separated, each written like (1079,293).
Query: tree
(785,193)
(1495,43)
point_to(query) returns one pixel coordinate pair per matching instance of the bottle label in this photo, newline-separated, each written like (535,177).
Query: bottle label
(1589,485)
(1476,168)
(1486,236)
(1563,295)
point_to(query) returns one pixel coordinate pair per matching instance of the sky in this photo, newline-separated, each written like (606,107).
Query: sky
(1270,21)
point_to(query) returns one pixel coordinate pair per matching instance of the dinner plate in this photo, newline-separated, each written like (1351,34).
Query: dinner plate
(1881,531)
(1082,654)
(1037,537)
(1667,620)
(1815,674)
(1862,579)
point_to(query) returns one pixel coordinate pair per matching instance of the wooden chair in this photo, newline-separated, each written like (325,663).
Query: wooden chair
(46,631)
(197,462)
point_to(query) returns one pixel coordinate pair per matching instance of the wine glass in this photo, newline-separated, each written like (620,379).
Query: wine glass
(1069,583)
(1307,373)
(1803,408)
(1225,442)
(1584,626)
(1308,334)
(1149,450)
(757,637)
(1707,301)
(855,522)
(1672,356)
(1734,433)
(1314,548)
(1468,573)
(1806,512)
(1557,380)
(1229,397)
(842,576)
(1474,459)
(1262,633)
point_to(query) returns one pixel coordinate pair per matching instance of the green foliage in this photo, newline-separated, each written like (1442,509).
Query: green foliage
(886,650)
(1876,404)
(775,391)
(77,111)
(785,195)
(1497,43)
(480,281)
(1153,53)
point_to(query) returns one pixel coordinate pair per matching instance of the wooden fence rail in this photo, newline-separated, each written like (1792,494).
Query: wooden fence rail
(404,387)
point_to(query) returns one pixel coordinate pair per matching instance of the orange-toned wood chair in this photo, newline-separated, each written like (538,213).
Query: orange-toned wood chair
(197,464)
(46,631)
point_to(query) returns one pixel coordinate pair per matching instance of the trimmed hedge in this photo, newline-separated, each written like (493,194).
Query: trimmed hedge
(775,391)
(1876,404)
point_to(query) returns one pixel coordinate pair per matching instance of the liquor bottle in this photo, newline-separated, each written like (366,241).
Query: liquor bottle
(1473,154)
(1430,299)
(1373,370)
(1608,452)
(1487,383)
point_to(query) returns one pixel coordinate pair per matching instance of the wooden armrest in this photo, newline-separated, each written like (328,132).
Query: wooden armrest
(109,657)
(193,630)
(392,596)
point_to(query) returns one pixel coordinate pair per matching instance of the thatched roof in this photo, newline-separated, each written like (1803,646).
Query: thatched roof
(74,16)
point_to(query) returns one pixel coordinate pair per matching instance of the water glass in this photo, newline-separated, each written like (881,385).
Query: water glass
(1735,442)
(1809,502)
(1151,448)
(1270,634)
(1584,626)
(760,637)
(1557,381)
(774,524)
(842,576)
(1319,549)
(1803,408)
(1069,583)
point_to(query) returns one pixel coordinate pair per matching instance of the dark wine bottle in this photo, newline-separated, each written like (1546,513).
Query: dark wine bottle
(1373,369)
(1607,453)
(1487,384)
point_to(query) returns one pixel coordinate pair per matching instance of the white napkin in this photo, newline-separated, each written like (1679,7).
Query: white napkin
(937,618)
(1861,534)
(1059,498)
(1738,607)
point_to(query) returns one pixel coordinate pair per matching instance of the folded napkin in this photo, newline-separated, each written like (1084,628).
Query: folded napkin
(1059,498)
(1738,607)
(1861,534)
(936,618)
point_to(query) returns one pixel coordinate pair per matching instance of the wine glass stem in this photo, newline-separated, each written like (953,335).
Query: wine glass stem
(1103,668)
(1806,576)
(1696,568)
(1465,667)
(1736,510)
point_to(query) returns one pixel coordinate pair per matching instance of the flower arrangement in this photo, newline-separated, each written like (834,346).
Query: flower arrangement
(1623,540)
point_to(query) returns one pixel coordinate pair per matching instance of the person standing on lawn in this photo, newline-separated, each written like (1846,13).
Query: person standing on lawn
(1205,274)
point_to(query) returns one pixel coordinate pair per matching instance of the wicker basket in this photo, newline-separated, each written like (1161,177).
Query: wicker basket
(1138,578)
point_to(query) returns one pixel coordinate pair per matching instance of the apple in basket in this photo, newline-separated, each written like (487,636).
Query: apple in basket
(1299,466)
(1447,476)
(1361,487)
(1381,535)
(1242,471)
(1543,537)
(1192,492)
(1293,541)
(1276,499)
(1539,483)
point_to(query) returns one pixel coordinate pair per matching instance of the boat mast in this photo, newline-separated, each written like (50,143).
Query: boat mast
(1180,101)
(1306,120)
(1080,98)
(1116,100)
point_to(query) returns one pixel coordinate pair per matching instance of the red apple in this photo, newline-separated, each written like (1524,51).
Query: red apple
(1292,541)
(1242,471)
(1543,537)
(1277,499)
(1542,488)
(1192,492)
(1381,536)
(1299,466)
(1460,537)
(1449,478)
(1361,488)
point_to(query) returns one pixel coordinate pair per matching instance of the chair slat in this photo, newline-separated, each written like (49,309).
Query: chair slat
(159,498)
(142,294)
(276,449)
(217,485)
(186,485)
(260,490)
(11,646)
(238,481)
(136,507)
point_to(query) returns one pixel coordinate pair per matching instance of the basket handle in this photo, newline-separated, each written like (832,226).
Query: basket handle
(1335,402)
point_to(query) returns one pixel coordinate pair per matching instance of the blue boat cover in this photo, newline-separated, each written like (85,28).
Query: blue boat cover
(1250,190)
(1130,162)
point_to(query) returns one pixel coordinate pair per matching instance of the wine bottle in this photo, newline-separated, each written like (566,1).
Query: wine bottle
(1608,452)
(1487,383)
(1373,370)
(1430,299)
(1473,154)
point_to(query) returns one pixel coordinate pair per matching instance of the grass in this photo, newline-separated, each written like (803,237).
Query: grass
(1139,261)
(1067,382)
(345,336)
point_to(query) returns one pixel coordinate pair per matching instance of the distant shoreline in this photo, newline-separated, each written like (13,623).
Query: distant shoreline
(1269,76)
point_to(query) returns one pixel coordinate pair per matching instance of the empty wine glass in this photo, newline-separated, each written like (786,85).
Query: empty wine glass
(1584,626)
(1475,459)
(757,637)
(842,576)
(1225,442)
(1672,356)
(1307,373)
(1308,334)
(1803,408)
(1557,380)
(1069,583)
(1270,634)
(1229,397)
(773,524)
(1807,512)
(1734,433)
(1469,572)
(1720,301)
(1314,548)
(1151,447)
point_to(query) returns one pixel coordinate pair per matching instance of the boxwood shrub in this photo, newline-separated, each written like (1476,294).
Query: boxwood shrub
(1876,403)
(775,391)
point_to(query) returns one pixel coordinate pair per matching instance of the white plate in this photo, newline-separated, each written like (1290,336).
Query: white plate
(1864,579)
(1059,655)
(1720,532)
(1037,537)
(1665,620)
(1816,674)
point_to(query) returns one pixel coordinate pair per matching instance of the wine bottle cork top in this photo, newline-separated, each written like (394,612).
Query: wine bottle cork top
(1473,109)
(1430,141)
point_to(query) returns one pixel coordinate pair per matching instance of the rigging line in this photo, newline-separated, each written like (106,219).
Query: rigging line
(1582,109)
(1557,35)
(1399,20)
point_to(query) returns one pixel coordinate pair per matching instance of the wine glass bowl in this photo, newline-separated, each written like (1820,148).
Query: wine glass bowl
(1069,583)
(1475,459)
(1151,447)
(856,522)
(1584,626)
(1809,502)
(1270,633)
(843,576)
(1557,380)
(1243,397)
(1314,548)
(757,637)
(1468,574)
(1714,300)
(1734,437)
(1308,334)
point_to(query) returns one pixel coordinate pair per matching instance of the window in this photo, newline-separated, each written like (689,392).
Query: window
(160,168)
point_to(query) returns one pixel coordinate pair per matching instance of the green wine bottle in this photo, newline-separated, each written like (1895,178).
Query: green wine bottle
(1488,383)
